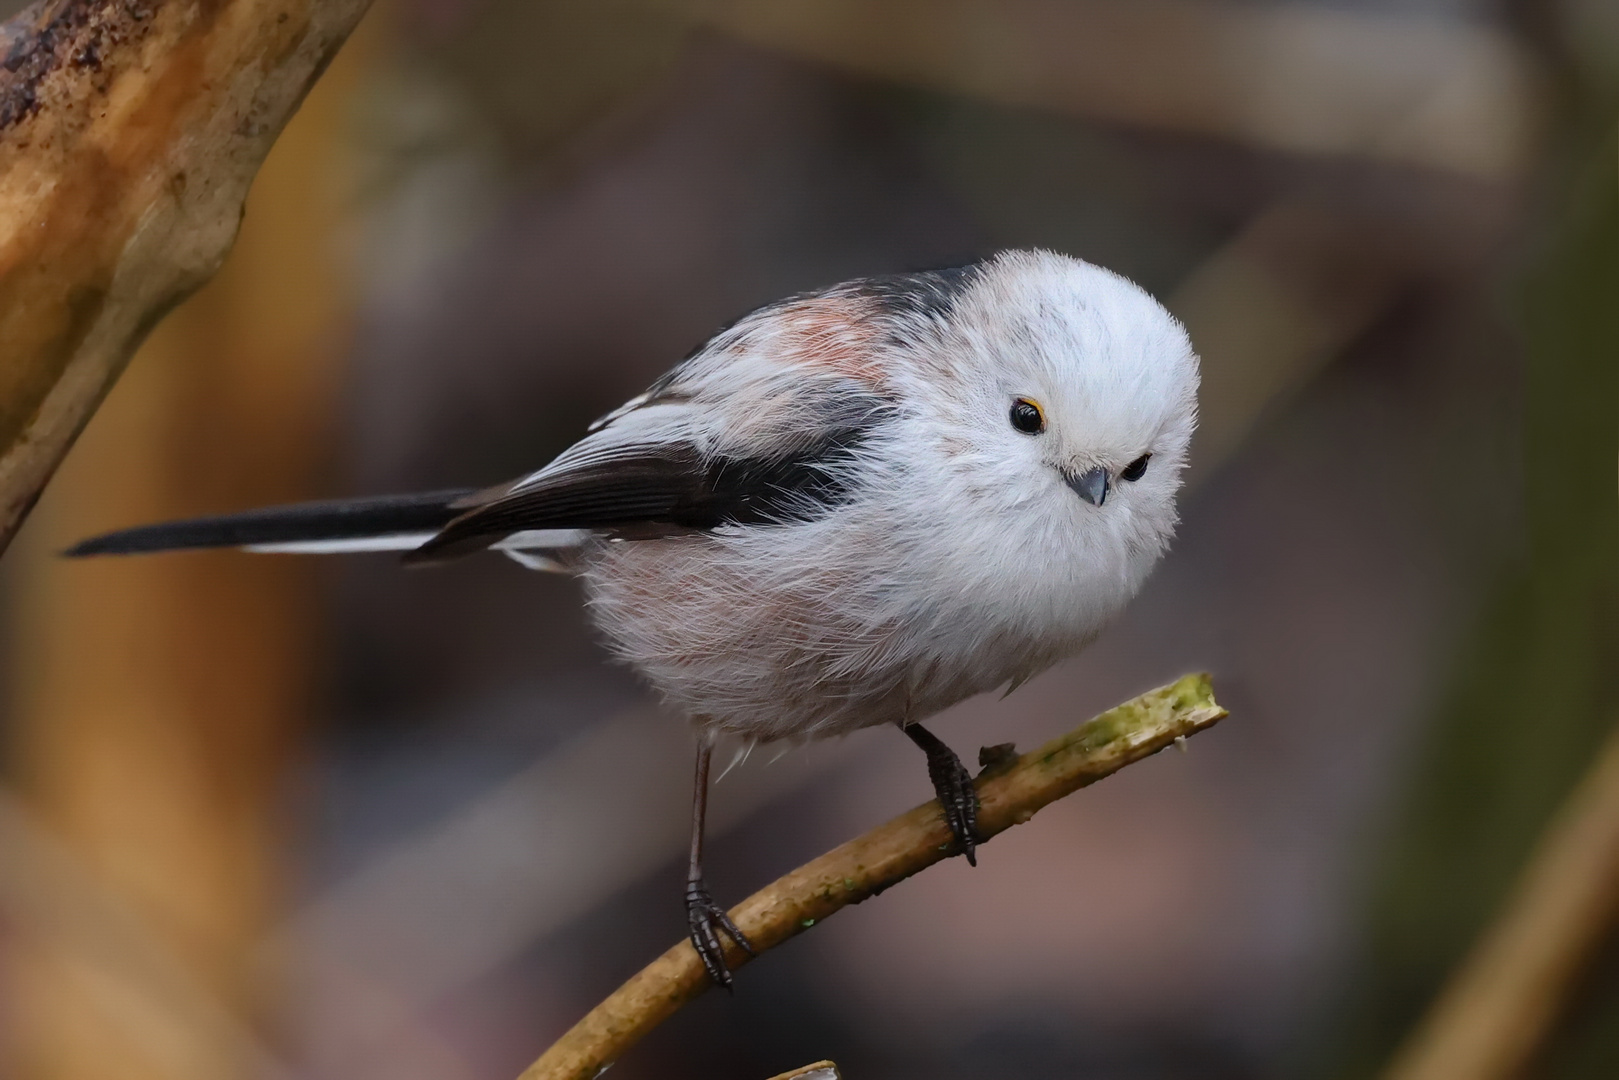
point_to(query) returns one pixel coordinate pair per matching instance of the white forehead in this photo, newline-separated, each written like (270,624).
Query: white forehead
(1101,350)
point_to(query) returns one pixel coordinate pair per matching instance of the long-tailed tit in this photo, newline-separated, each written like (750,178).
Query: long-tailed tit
(851,508)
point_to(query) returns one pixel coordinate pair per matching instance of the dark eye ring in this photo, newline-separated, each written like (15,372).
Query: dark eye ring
(1136,469)
(1027,417)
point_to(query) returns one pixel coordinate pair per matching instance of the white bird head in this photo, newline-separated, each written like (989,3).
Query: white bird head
(1069,392)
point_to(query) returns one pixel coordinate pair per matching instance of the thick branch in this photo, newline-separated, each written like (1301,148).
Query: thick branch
(129,133)
(1010,794)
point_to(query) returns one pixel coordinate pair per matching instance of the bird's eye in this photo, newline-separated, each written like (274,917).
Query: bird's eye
(1136,469)
(1027,417)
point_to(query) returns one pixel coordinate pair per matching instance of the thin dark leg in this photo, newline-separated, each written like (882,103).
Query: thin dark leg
(704,917)
(954,786)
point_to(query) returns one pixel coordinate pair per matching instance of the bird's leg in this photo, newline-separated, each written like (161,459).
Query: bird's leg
(704,917)
(954,786)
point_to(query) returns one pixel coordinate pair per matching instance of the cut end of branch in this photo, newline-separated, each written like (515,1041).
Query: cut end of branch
(821,1070)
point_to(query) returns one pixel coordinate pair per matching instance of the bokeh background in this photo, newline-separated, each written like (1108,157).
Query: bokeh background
(268,817)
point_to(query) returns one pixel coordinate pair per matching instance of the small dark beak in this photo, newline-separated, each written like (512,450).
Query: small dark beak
(1091,486)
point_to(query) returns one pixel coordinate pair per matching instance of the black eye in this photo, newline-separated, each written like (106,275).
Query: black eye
(1027,417)
(1136,469)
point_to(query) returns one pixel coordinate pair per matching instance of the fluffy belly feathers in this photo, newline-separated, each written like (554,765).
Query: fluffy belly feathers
(788,648)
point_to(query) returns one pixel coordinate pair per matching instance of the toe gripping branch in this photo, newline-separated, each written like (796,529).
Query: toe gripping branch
(954,786)
(705,921)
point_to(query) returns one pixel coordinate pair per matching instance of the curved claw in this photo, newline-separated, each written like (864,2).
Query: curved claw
(705,920)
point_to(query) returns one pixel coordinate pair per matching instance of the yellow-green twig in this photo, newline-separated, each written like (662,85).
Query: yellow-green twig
(863,867)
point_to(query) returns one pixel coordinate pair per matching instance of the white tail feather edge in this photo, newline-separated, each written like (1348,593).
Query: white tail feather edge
(529,548)
(346,545)
(532,548)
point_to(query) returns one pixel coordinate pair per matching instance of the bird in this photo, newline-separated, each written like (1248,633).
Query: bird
(851,508)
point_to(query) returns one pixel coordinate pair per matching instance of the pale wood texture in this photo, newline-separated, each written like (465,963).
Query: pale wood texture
(820,1070)
(159,702)
(1503,1002)
(129,133)
(1009,795)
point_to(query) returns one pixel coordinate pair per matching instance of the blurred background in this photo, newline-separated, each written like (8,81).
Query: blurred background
(268,817)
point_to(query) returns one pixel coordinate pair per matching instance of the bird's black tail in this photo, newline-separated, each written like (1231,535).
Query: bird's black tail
(385,523)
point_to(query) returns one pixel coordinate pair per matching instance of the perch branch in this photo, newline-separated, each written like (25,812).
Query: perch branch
(1009,794)
(1503,1001)
(129,133)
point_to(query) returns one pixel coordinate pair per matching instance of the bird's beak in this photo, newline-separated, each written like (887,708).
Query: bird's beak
(1091,486)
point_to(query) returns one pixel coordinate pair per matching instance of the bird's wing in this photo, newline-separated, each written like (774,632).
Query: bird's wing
(760,425)
(675,467)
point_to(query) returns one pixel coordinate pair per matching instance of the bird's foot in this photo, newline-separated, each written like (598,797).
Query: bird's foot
(959,799)
(705,920)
